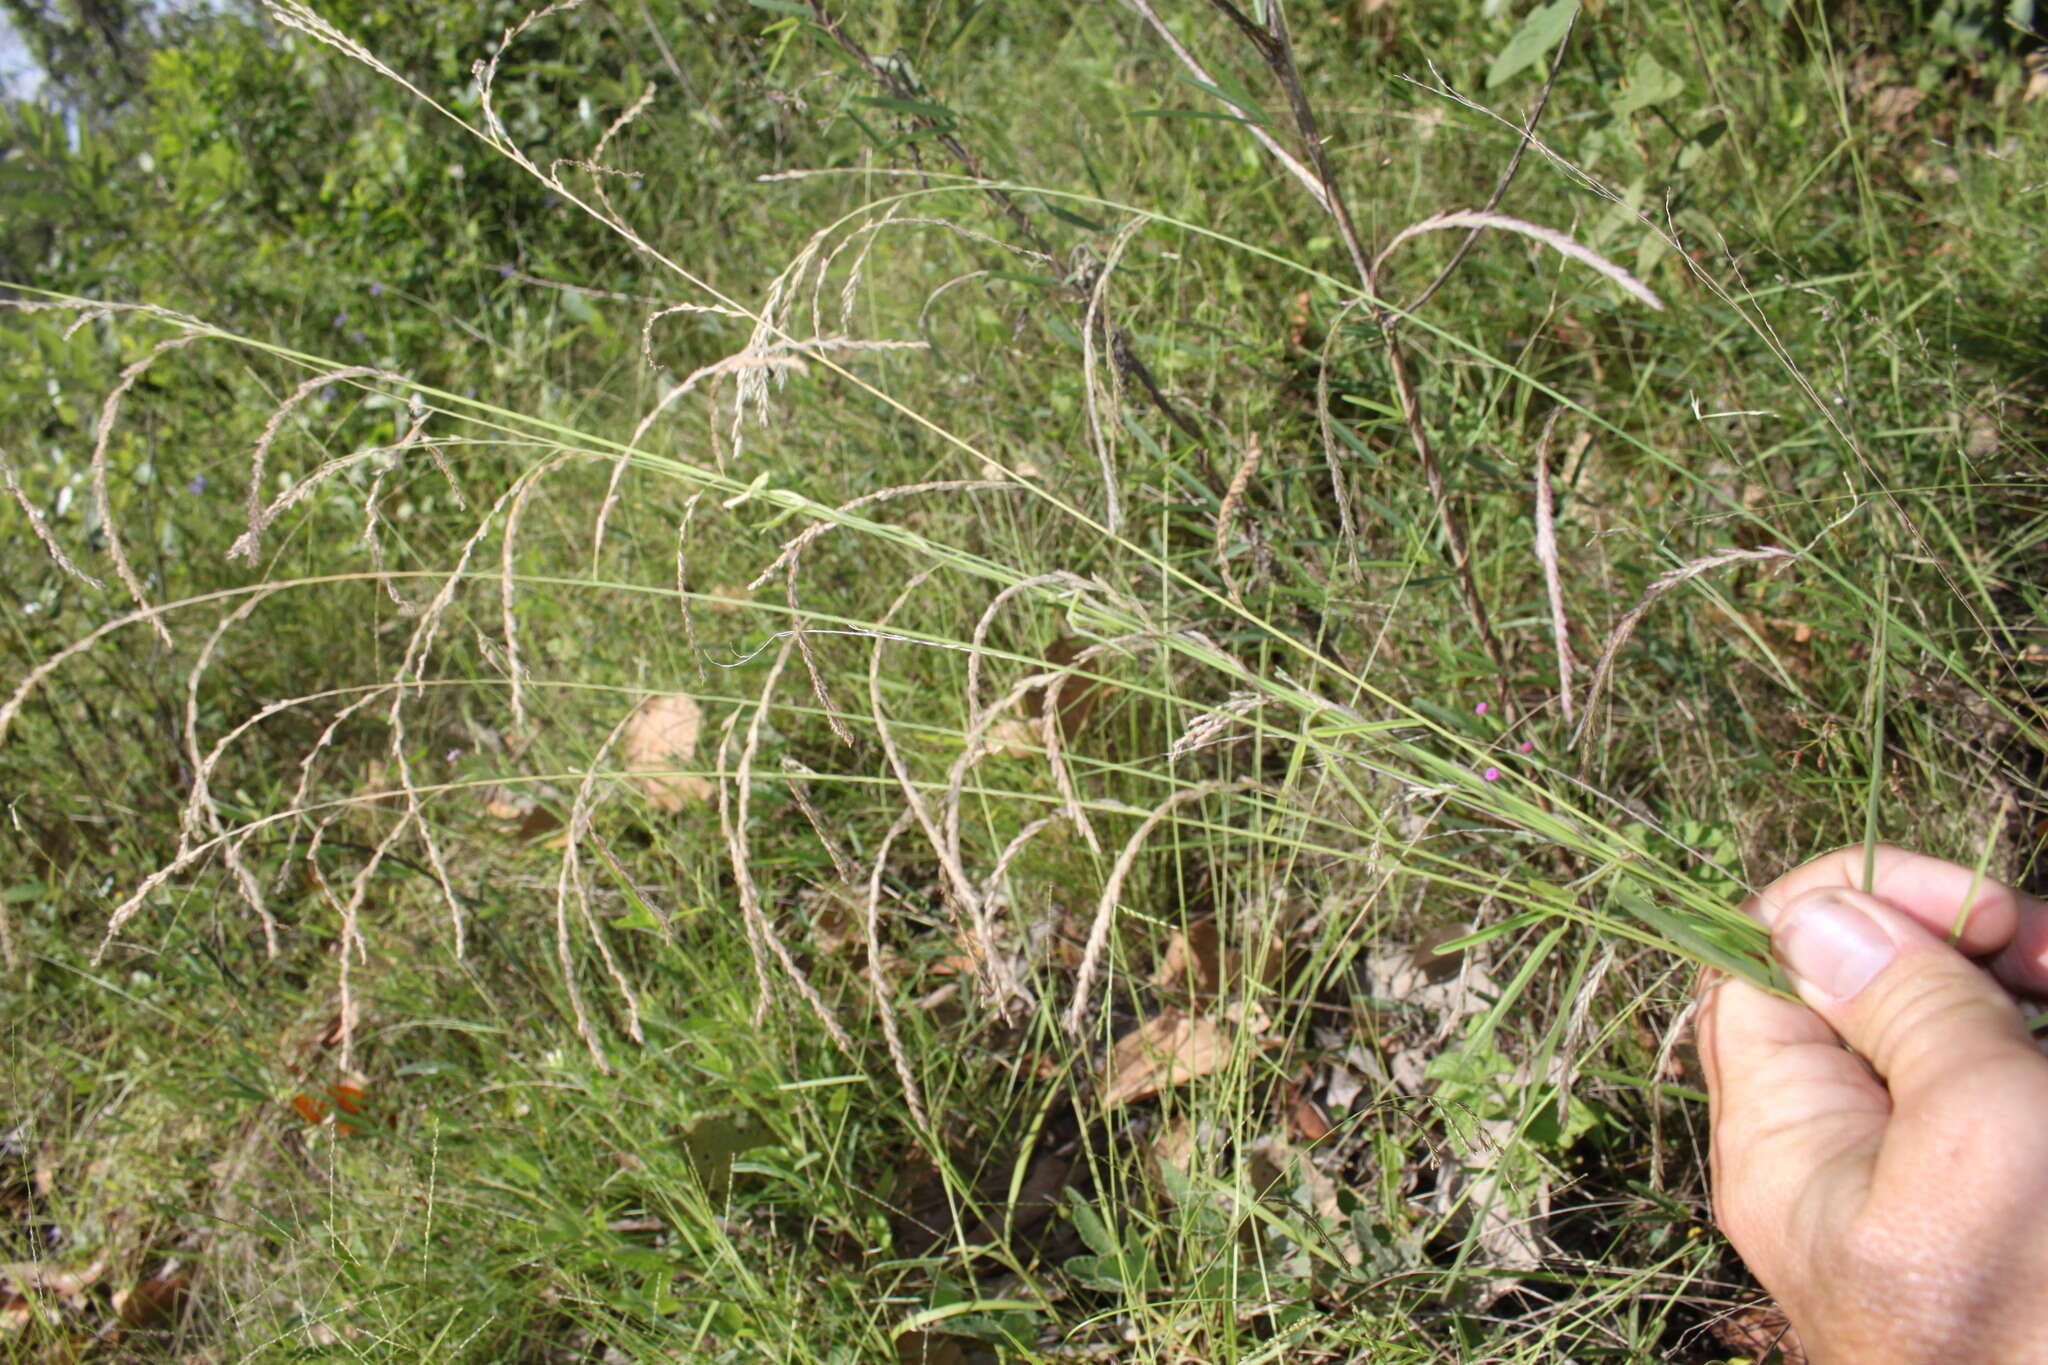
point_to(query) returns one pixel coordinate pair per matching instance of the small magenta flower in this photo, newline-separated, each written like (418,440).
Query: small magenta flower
(1480,709)
(1528,745)
(1491,774)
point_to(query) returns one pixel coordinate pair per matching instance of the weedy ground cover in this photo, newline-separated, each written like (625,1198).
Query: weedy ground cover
(954,683)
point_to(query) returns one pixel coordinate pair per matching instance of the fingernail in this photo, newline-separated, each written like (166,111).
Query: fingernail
(1831,945)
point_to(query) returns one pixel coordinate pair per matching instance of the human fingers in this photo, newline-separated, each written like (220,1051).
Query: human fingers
(1941,896)
(1797,1124)
(1935,1027)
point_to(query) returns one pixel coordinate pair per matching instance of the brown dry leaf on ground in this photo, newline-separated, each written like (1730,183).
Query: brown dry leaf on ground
(1892,105)
(38,1277)
(1079,696)
(1166,1050)
(1198,961)
(662,735)
(1763,1333)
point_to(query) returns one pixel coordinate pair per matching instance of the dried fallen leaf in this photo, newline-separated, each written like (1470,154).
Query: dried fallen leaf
(1893,105)
(1197,962)
(1763,1333)
(661,736)
(1166,1050)
(153,1300)
(1174,1144)
(1311,1124)
(1194,960)
(36,1277)
(1078,696)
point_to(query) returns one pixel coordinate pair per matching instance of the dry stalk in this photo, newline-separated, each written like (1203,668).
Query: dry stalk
(798,777)
(515,673)
(570,874)
(1112,891)
(790,557)
(1274,45)
(1507,177)
(682,592)
(803,645)
(993,882)
(1627,625)
(250,541)
(878,981)
(763,356)
(1546,558)
(1225,514)
(412,663)
(1327,424)
(750,896)
(1264,138)
(42,529)
(796,544)
(199,804)
(1550,237)
(995,973)
(1209,727)
(756,949)
(110,408)
(979,640)
(1093,327)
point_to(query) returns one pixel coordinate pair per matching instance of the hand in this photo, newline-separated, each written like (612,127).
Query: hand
(1894,1200)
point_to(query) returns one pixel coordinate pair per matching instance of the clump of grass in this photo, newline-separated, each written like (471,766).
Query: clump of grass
(819,1068)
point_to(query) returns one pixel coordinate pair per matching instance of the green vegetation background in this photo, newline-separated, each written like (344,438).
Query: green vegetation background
(1418,945)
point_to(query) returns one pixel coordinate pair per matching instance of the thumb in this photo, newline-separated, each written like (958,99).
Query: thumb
(1924,1016)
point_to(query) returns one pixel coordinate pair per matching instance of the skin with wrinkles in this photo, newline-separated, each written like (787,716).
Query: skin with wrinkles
(1891,1198)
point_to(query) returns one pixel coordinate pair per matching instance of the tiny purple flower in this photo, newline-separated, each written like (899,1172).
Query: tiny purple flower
(1528,745)
(357,337)
(327,393)
(197,486)
(1491,774)
(452,755)
(505,271)
(1480,709)
(376,289)
(341,320)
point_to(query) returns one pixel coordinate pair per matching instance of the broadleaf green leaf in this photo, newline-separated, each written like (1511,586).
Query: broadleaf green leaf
(1543,30)
(1648,83)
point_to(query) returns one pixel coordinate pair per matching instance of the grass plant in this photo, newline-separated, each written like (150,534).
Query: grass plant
(1257,586)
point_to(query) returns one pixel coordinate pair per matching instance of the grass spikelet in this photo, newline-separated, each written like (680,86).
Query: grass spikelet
(1550,237)
(1227,513)
(1546,559)
(42,529)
